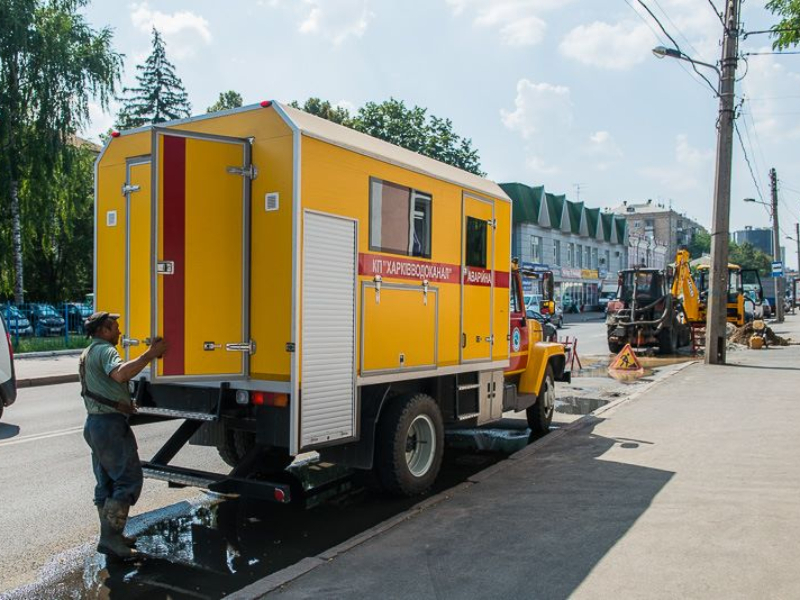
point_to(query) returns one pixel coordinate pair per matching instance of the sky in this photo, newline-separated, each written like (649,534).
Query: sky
(561,93)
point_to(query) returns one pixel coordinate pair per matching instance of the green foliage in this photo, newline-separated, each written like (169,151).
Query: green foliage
(788,28)
(40,344)
(410,128)
(51,64)
(324,109)
(226,101)
(159,96)
(748,256)
(700,244)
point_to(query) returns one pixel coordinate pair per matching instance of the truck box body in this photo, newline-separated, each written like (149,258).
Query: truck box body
(279,252)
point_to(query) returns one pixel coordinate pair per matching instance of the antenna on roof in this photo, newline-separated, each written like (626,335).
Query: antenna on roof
(577,187)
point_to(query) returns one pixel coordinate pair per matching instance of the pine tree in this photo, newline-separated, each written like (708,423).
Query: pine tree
(160,95)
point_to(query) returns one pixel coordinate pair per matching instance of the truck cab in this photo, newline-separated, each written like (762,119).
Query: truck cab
(8,385)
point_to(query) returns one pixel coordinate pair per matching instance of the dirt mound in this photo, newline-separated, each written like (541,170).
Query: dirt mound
(742,335)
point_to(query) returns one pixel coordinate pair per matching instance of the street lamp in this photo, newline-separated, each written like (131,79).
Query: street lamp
(661,52)
(716,326)
(776,250)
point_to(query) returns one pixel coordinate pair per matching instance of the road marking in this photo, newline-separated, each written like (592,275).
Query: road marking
(42,436)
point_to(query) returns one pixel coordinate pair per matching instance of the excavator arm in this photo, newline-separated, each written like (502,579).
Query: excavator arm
(683,287)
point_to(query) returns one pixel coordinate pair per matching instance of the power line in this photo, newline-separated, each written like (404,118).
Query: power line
(716,12)
(750,143)
(766,53)
(676,45)
(747,160)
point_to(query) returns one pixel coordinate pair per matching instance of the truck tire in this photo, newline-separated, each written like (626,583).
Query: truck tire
(540,414)
(615,347)
(409,445)
(238,443)
(668,340)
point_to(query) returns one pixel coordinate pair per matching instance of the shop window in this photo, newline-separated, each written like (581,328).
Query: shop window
(557,252)
(476,242)
(536,249)
(400,219)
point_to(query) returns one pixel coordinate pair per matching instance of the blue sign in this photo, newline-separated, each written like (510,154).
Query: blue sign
(532,266)
(777,269)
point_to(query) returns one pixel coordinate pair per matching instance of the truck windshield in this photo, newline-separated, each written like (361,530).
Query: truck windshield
(648,284)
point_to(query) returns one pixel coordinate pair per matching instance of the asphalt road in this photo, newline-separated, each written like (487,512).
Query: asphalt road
(591,334)
(47,483)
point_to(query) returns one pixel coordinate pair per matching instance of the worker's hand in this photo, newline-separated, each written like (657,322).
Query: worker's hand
(126,409)
(157,348)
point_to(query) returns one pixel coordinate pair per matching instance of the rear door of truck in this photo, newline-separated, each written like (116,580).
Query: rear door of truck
(200,281)
(477,279)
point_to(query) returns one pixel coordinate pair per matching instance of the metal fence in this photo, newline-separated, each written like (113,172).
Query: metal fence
(41,327)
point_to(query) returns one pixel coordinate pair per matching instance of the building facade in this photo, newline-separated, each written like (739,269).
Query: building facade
(660,224)
(647,251)
(583,246)
(760,238)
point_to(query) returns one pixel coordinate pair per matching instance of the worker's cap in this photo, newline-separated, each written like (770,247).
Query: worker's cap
(96,320)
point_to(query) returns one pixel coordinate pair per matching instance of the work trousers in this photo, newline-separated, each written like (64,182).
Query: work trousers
(115,458)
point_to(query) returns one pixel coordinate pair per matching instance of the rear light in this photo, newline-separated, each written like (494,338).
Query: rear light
(266,103)
(242,397)
(115,134)
(280,495)
(10,346)
(270,399)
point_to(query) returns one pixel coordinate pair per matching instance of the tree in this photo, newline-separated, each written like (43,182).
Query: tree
(324,109)
(748,256)
(410,128)
(700,244)
(226,101)
(413,129)
(787,31)
(51,64)
(160,95)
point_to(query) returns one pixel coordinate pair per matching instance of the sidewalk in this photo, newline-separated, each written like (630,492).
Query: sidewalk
(689,490)
(46,370)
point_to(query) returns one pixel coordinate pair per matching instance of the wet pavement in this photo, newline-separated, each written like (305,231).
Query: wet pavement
(221,545)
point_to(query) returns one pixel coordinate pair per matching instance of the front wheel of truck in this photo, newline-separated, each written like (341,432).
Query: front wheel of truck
(540,415)
(410,445)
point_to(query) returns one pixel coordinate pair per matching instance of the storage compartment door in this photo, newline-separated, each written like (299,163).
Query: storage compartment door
(477,279)
(200,275)
(136,328)
(328,335)
(398,328)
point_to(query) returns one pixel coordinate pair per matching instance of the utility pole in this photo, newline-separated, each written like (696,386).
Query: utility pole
(794,282)
(716,337)
(776,245)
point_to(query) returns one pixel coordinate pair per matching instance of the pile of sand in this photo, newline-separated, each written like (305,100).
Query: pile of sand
(742,335)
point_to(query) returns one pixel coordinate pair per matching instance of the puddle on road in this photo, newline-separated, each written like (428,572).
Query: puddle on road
(220,548)
(575,405)
(650,365)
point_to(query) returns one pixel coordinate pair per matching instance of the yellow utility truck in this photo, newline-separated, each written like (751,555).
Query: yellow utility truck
(319,289)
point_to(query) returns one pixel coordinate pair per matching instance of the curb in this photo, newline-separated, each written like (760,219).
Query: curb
(279,579)
(47,380)
(48,353)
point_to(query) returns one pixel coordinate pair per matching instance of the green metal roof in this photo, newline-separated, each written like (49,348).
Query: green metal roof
(526,201)
(608,223)
(620,223)
(575,210)
(555,206)
(592,219)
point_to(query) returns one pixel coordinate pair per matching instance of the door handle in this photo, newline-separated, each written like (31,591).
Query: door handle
(130,342)
(463,340)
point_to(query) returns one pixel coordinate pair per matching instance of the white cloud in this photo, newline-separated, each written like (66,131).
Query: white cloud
(99,121)
(181,30)
(602,150)
(539,108)
(620,46)
(692,166)
(519,22)
(335,20)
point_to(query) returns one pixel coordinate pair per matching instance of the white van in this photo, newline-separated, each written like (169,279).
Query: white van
(608,292)
(8,383)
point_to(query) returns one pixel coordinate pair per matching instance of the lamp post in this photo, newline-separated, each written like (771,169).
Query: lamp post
(720,228)
(776,246)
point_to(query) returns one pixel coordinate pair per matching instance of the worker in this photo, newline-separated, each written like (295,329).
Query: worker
(115,457)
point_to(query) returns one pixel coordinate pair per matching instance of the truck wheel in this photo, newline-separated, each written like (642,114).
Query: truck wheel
(410,445)
(615,347)
(668,340)
(540,415)
(235,445)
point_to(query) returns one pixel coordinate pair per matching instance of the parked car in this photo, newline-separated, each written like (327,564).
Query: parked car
(534,301)
(549,332)
(8,382)
(605,297)
(45,320)
(76,315)
(767,308)
(17,324)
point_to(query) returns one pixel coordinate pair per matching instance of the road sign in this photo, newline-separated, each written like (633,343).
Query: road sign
(777,269)
(626,361)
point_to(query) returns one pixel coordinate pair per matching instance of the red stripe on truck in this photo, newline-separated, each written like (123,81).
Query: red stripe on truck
(174,242)
(392,267)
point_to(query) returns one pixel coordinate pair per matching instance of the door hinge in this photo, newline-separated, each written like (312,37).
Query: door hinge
(128,189)
(493,223)
(165,267)
(249,347)
(290,346)
(249,171)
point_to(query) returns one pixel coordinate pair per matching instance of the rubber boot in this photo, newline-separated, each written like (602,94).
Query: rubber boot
(130,540)
(113,518)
